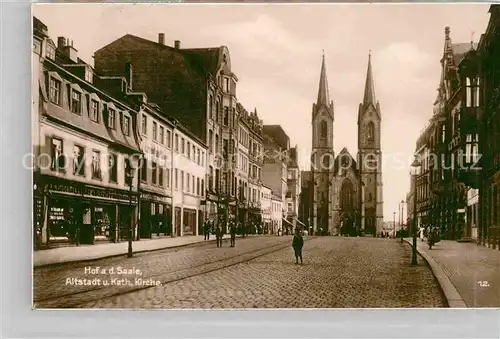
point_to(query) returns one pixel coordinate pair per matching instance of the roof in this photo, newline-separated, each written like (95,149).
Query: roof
(342,155)
(369,96)
(323,94)
(175,79)
(460,50)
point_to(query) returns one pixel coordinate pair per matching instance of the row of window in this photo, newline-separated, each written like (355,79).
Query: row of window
(163,136)
(59,161)
(76,104)
(228,118)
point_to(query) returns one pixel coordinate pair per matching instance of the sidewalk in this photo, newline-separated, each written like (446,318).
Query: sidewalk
(469,274)
(91,252)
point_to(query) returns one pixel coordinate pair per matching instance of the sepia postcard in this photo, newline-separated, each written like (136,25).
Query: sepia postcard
(265,156)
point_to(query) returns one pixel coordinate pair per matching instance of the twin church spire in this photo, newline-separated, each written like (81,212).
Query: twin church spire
(323,93)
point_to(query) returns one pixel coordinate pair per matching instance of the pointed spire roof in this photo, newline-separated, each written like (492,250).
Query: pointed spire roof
(369,97)
(323,95)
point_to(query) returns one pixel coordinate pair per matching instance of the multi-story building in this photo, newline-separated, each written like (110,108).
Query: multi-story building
(293,188)
(274,173)
(172,174)
(489,132)
(266,208)
(197,87)
(86,149)
(423,192)
(254,126)
(277,215)
(305,199)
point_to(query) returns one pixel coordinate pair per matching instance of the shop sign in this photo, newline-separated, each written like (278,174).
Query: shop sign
(90,191)
(154,197)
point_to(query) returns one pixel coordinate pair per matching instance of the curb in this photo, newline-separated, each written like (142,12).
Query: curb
(451,294)
(60,263)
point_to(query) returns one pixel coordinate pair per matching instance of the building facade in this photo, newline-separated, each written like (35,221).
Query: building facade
(205,103)
(293,188)
(86,149)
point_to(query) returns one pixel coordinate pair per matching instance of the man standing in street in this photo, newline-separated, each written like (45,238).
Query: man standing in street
(297,244)
(233,233)
(206,230)
(218,236)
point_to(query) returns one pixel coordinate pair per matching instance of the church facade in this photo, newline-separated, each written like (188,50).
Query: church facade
(346,196)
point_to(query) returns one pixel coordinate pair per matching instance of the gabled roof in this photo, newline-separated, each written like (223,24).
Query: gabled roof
(344,155)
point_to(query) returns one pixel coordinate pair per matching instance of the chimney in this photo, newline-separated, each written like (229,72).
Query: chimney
(177,44)
(129,74)
(161,38)
(61,42)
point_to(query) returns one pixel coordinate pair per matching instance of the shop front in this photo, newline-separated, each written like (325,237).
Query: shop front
(189,221)
(77,213)
(156,215)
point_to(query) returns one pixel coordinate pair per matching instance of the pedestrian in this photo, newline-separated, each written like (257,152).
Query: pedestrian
(206,230)
(233,234)
(421,231)
(297,244)
(218,236)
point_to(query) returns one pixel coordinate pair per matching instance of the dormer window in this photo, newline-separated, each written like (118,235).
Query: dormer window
(94,110)
(126,125)
(88,74)
(111,118)
(76,102)
(51,52)
(55,91)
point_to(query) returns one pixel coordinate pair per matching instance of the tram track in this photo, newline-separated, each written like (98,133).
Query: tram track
(75,299)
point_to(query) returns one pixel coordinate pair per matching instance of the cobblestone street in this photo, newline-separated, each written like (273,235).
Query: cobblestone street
(258,273)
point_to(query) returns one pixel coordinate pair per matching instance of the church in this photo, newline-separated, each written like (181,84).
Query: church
(345,193)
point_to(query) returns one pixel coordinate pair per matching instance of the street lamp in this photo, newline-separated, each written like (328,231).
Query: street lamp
(129,178)
(402,206)
(394,221)
(415,166)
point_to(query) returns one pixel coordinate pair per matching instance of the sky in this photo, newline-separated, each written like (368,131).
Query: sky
(276,53)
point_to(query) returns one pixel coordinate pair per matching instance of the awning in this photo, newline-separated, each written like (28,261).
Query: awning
(300,222)
(287,223)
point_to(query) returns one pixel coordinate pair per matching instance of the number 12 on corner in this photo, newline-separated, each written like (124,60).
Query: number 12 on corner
(483,283)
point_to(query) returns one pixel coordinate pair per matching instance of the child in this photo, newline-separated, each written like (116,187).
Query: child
(297,244)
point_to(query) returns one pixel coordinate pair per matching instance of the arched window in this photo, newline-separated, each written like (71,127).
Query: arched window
(323,129)
(346,196)
(370,131)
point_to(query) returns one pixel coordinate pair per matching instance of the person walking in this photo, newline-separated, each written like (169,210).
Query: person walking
(218,236)
(297,244)
(232,231)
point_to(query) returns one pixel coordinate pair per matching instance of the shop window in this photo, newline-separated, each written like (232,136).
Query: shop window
(154,171)
(111,118)
(55,91)
(96,165)
(76,102)
(113,168)
(58,160)
(94,110)
(78,160)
